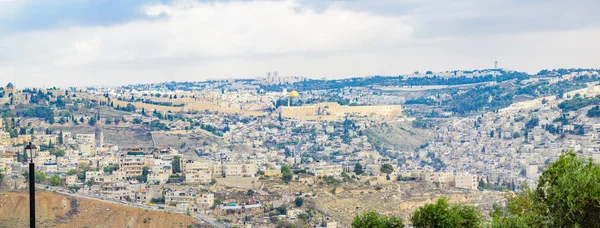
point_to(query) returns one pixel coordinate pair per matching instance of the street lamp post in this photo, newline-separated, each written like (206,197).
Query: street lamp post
(31,147)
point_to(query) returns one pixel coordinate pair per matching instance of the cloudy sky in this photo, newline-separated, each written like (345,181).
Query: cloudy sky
(114,42)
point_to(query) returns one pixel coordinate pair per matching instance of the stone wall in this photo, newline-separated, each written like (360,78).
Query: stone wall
(334,111)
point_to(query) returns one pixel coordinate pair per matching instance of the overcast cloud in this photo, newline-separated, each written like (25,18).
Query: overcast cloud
(101,42)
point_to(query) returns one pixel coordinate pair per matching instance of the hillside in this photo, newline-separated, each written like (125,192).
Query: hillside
(53,210)
(398,135)
(396,198)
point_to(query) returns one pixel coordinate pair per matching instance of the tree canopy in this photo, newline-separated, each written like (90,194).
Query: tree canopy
(55,180)
(567,195)
(286,174)
(358,169)
(372,219)
(387,168)
(442,214)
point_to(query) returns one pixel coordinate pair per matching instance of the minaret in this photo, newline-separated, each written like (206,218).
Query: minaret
(101,139)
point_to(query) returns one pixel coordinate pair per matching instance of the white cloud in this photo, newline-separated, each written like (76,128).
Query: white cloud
(195,41)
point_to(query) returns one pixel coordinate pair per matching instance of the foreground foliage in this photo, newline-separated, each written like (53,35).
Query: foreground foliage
(442,214)
(372,219)
(567,195)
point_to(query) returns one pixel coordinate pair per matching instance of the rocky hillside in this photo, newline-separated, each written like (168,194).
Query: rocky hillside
(398,135)
(53,210)
(398,198)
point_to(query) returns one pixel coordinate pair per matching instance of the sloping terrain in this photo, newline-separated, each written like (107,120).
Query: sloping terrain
(398,135)
(53,210)
(400,198)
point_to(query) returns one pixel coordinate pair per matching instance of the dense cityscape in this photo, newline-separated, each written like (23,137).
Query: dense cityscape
(299,114)
(258,151)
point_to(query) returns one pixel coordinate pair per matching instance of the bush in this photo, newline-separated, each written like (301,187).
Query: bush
(441,214)
(160,200)
(55,180)
(375,220)
(387,168)
(282,210)
(286,174)
(299,201)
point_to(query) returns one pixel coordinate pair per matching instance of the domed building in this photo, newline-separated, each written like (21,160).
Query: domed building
(294,94)
(10,89)
(293,99)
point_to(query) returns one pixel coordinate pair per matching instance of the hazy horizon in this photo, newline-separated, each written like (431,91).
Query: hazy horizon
(83,43)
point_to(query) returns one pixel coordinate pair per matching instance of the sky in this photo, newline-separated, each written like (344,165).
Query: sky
(116,42)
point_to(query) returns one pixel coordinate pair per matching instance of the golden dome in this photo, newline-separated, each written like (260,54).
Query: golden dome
(294,93)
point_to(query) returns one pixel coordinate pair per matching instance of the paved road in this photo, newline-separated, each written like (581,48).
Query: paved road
(210,220)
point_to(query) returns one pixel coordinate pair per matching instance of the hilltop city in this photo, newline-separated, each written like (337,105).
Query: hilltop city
(294,150)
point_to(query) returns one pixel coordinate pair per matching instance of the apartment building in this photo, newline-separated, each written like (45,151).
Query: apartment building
(197,176)
(193,165)
(71,180)
(116,191)
(86,138)
(321,169)
(234,169)
(205,200)
(444,179)
(466,181)
(158,178)
(132,165)
(174,197)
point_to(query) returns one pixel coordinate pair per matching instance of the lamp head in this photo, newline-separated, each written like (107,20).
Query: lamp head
(30,147)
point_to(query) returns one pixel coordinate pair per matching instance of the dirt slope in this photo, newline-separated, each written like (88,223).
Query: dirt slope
(398,135)
(53,210)
(400,198)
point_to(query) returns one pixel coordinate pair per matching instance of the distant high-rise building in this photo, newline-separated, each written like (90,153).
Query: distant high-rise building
(275,73)
(268,74)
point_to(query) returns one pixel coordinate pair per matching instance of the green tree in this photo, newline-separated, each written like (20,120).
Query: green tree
(144,177)
(372,219)
(110,168)
(57,152)
(286,174)
(387,168)
(60,137)
(358,169)
(217,202)
(55,180)
(71,172)
(299,201)
(176,164)
(441,214)
(92,121)
(39,177)
(282,210)
(567,195)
